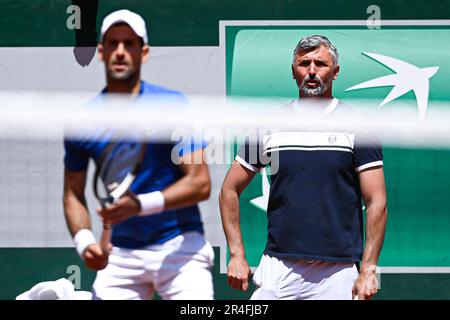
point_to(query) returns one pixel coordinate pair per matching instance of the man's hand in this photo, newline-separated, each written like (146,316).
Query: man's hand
(366,286)
(95,258)
(124,208)
(238,273)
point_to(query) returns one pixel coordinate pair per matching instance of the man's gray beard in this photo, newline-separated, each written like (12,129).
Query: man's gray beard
(313,92)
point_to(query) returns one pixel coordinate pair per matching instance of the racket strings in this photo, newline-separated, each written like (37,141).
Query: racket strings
(117,169)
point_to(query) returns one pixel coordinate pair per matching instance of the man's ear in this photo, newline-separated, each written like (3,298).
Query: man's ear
(336,72)
(292,68)
(100,52)
(145,53)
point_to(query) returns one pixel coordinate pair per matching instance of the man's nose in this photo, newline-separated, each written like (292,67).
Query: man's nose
(120,50)
(312,70)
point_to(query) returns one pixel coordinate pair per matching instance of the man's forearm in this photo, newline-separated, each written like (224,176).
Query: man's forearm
(186,192)
(193,187)
(229,210)
(376,217)
(76,214)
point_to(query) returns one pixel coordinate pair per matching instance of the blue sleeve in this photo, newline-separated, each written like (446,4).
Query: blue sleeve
(190,145)
(367,154)
(75,159)
(187,144)
(251,156)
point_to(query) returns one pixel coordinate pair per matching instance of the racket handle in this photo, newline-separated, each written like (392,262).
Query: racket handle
(105,238)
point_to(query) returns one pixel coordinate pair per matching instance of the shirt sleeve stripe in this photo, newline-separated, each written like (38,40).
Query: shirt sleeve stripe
(369,165)
(246,164)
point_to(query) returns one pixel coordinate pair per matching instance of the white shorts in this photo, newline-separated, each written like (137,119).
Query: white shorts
(290,279)
(177,269)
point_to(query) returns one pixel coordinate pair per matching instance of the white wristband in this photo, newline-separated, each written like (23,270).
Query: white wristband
(83,239)
(151,203)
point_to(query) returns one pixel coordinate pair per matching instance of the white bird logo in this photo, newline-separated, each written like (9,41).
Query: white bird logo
(262,201)
(408,77)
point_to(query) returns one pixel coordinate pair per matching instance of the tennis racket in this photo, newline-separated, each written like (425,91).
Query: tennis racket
(116,170)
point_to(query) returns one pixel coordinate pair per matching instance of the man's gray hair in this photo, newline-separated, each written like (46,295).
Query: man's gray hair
(310,43)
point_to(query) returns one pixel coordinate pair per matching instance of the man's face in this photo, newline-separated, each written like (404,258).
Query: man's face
(122,52)
(314,73)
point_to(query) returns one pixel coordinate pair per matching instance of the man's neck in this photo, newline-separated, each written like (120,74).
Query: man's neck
(120,86)
(322,101)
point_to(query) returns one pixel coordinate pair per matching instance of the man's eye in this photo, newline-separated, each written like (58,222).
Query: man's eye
(304,63)
(113,44)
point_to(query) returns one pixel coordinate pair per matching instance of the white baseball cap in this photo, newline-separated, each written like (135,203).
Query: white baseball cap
(134,20)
